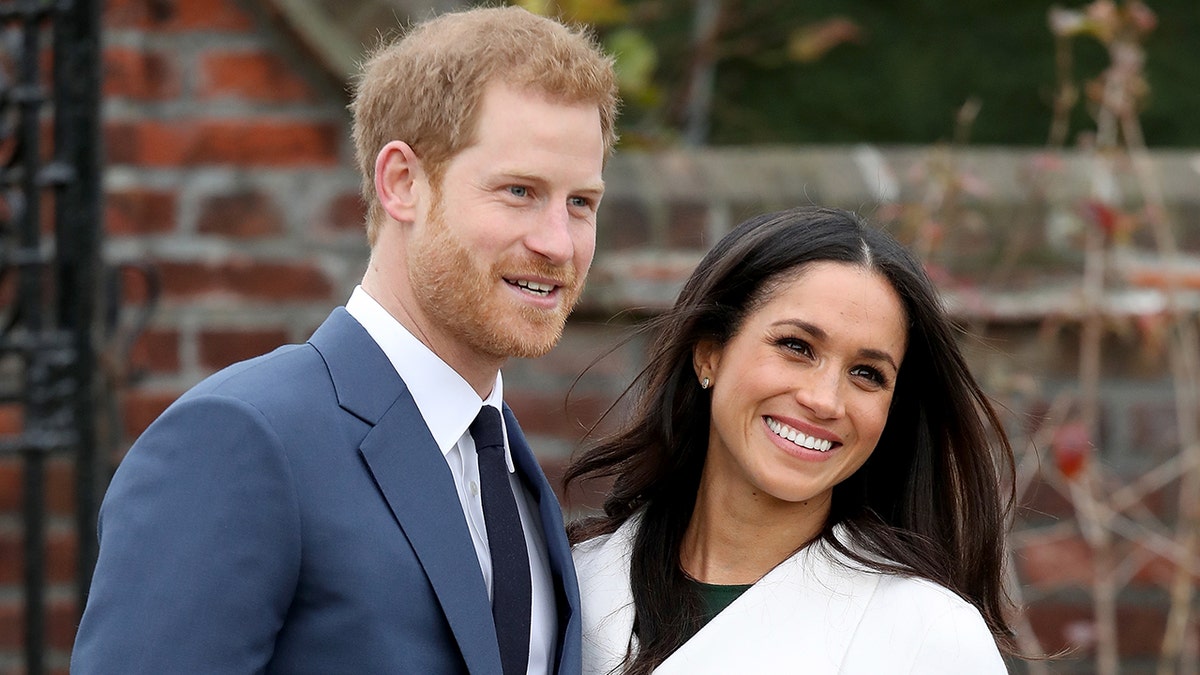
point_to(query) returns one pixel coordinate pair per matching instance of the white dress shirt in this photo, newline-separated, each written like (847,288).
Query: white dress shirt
(449,405)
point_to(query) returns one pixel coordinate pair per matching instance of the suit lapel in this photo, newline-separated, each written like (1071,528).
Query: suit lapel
(413,476)
(561,565)
(414,479)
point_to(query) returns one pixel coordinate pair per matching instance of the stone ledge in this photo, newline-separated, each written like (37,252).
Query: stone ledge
(864,176)
(1016,260)
(642,283)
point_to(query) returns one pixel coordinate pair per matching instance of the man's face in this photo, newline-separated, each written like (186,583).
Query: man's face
(500,257)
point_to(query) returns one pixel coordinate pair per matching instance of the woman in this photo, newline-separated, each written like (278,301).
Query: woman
(809,480)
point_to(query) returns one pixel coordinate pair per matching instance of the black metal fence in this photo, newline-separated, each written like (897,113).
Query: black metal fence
(50,270)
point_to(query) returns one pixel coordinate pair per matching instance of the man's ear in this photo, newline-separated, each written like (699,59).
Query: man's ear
(399,178)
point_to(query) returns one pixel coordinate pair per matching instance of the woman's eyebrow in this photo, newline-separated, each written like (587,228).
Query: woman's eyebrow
(820,334)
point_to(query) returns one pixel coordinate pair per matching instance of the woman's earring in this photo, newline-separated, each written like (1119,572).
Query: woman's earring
(705,383)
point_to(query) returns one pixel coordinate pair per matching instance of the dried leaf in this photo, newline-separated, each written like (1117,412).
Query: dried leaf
(812,41)
(1066,22)
(1142,18)
(1072,446)
(1102,215)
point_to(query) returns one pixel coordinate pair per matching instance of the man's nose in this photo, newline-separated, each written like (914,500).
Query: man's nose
(551,235)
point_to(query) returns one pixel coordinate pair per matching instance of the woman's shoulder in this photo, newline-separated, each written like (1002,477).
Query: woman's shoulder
(906,589)
(928,625)
(606,549)
(891,587)
(943,631)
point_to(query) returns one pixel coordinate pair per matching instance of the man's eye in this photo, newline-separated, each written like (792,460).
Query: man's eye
(581,202)
(518,190)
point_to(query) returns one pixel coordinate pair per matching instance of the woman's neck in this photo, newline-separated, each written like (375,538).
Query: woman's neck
(738,538)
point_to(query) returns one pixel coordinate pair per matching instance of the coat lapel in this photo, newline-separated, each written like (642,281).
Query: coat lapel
(812,597)
(816,598)
(415,481)
(561,567)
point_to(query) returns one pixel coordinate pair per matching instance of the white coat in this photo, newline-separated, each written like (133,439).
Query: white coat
(815,613)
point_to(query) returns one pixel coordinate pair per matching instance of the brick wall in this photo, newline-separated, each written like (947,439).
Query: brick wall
(229,172)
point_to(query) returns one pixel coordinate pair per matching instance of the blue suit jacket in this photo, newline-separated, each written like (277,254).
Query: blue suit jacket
(292,514)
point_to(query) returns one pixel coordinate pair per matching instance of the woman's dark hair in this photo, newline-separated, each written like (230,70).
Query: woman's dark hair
(928,502)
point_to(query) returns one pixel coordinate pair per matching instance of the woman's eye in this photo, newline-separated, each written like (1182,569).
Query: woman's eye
(869,374)
(518,190)
(798,346)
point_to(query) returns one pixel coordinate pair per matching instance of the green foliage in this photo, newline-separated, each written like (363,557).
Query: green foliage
(879,71)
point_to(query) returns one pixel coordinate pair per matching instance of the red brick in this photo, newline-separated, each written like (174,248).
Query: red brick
(46,203)
(246,278)
(142,407)
(1163,278)
(623,224)
(255,76)
(347,212)
(261,142)
(61,557)
(139,212)
(156,350)
(12,418)
(221,348)
(137,283)
(1139,628)
(12,630)
(8,282)
(60,486)
(176,15)
(688,225)
(1055,562)
(581,498)
(1153,428)
(140,75)
(10,484)
(245,215)
(1042,502)
(545,413)
(62,621)
(11,557)
(1157,571)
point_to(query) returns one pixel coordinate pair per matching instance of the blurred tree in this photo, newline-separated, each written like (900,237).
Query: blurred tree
(670,53)
(881,71)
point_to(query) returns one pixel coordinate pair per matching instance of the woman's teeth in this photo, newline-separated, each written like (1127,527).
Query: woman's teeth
(804,441)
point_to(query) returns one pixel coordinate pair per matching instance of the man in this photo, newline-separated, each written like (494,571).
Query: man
(333,507)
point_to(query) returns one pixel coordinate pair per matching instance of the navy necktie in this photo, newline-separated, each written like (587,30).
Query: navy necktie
(506,541)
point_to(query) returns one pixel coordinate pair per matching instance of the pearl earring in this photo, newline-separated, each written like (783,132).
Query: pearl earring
(705,383)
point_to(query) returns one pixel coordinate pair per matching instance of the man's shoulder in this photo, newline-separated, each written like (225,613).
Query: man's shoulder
(274,370)
(274,387)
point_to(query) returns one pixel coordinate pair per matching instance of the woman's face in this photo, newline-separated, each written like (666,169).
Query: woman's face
(800,394)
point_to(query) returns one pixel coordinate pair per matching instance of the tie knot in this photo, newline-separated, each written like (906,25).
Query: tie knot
(487,430)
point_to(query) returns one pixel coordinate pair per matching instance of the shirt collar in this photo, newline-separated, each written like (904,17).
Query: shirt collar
(445,400)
